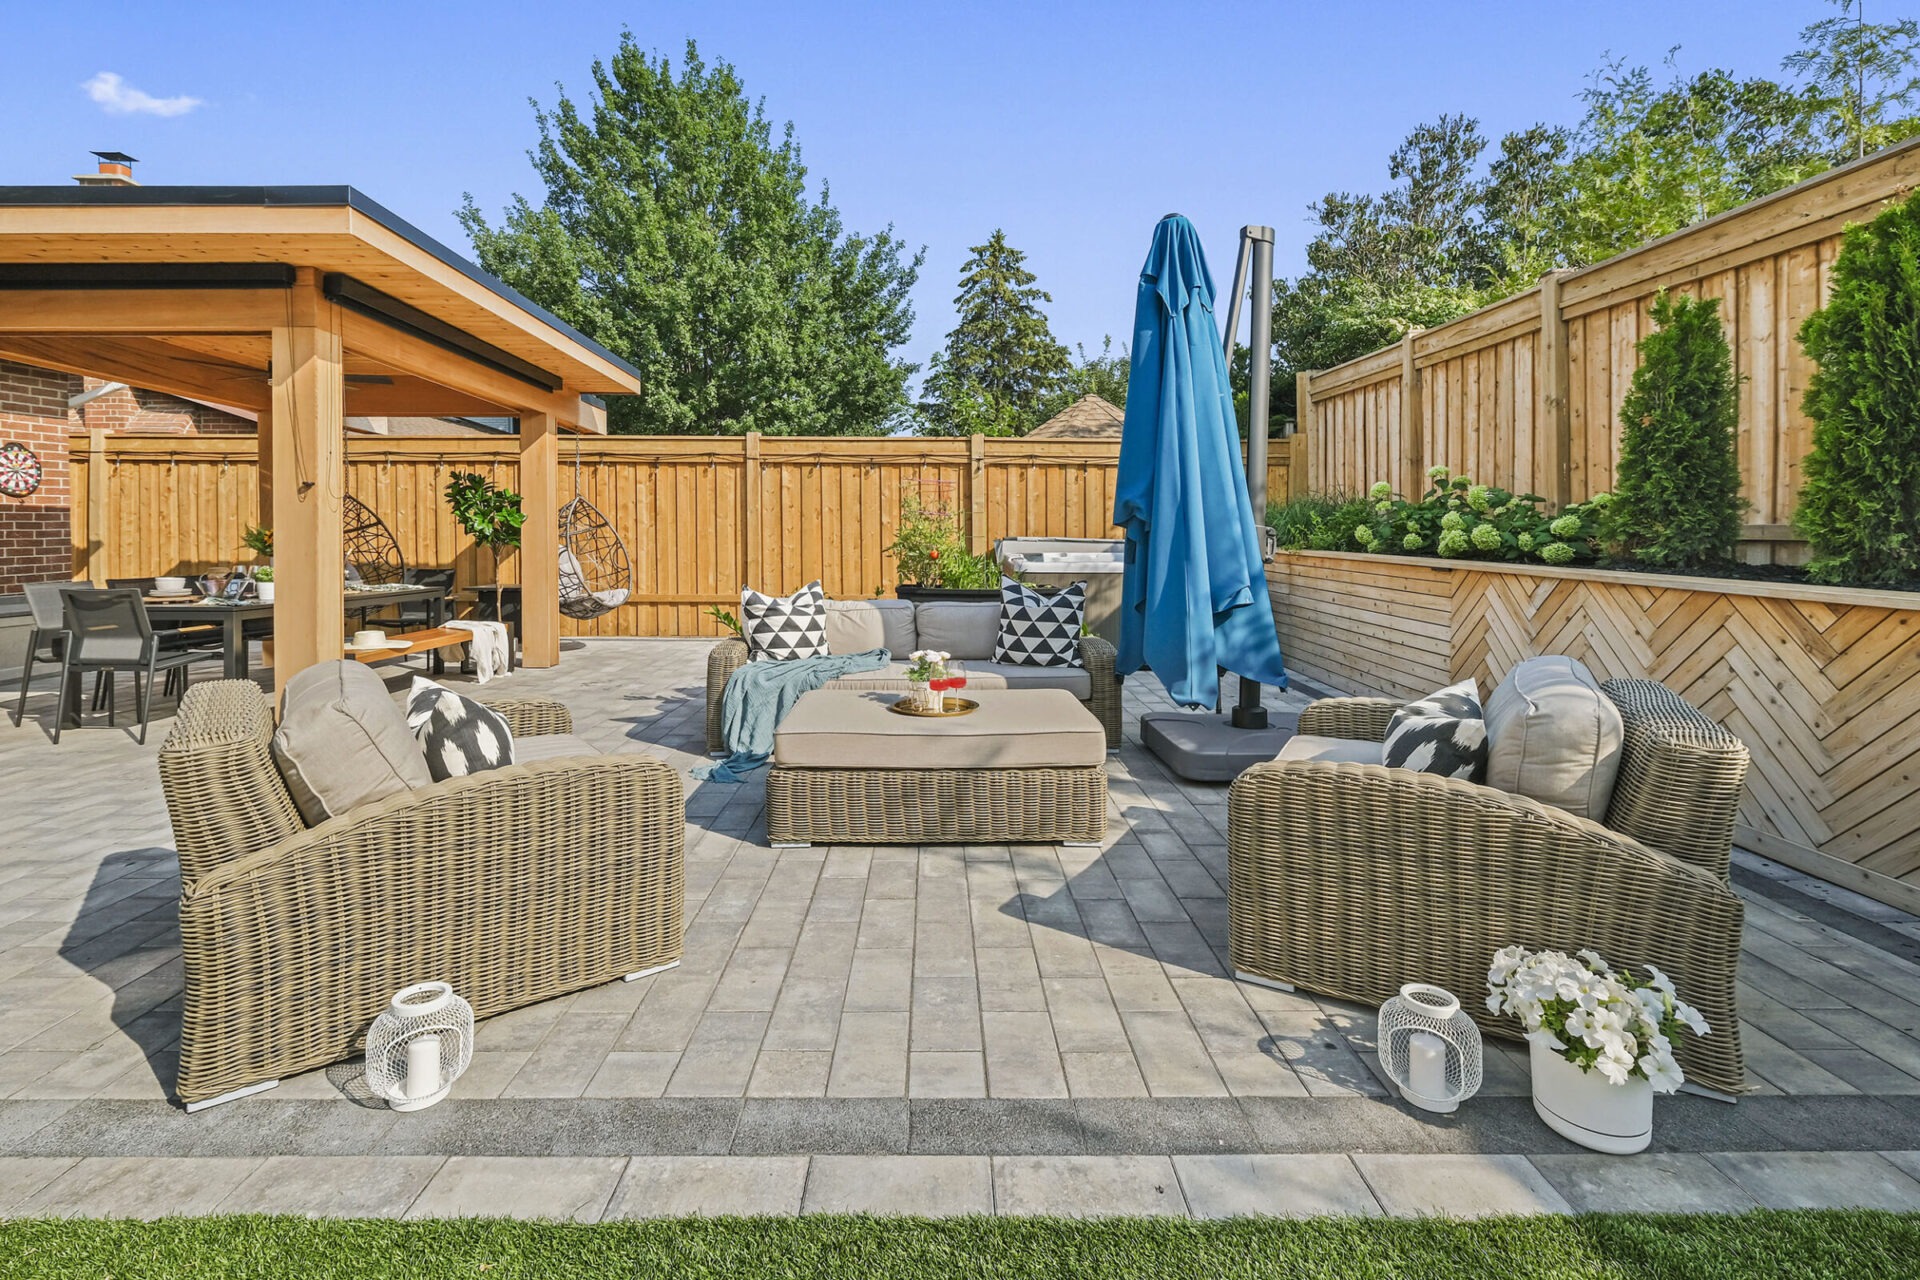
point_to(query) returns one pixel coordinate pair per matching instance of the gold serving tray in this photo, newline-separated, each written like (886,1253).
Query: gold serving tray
(956,707)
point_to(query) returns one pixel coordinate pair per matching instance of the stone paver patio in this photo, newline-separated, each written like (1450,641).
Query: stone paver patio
(1032,1029)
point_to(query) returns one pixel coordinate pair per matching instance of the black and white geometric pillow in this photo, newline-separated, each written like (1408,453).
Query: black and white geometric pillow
(1443,733)
(1040,630)
(460,736)
(780,628)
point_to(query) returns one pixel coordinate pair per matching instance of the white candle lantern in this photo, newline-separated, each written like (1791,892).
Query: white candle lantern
(419,1045)
(1429,1047)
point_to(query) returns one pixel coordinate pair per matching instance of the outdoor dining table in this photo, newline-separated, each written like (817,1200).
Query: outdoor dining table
(233,616)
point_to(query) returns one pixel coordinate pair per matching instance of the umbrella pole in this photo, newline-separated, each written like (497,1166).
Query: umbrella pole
(1248,713)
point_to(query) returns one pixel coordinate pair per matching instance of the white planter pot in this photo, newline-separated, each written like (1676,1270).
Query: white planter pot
(266,591)
(1582,1107)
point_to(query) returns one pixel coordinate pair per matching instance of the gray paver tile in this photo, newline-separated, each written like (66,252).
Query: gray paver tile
(632,1075)
(946,1075)
(1104,1075)
(138,1187)
(928,1186)
(1820,1179)
(22,1176)
(561,1188)
(1455,1186)
(333,1186)
(1087,1186)
(710,1186)
(1233,1186)
(1022,1060)
(870,1059)
(790,1073)
(1647,1183)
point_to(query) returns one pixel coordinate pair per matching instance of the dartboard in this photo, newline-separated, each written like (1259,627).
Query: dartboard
(19,470)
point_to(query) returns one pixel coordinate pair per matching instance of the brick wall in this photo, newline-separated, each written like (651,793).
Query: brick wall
(151,413)
(36,540)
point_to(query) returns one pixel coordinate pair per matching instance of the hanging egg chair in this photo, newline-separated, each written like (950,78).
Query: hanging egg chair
(371,548)
(595,575)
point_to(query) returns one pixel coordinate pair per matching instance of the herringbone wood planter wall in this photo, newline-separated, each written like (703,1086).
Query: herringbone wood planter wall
(1823,685)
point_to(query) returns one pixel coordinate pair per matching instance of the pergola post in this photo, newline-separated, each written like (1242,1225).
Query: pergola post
(539,540)
(309,454)
(263,465)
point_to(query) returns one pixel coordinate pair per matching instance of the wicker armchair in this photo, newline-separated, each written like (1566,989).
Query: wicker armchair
(1351,879)
(515,885)
(1095,653)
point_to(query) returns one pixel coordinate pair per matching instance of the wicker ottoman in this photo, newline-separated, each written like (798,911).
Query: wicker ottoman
(1028,767)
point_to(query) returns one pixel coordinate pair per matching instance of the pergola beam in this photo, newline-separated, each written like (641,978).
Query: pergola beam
(150,311)
(416,356)
(143,362)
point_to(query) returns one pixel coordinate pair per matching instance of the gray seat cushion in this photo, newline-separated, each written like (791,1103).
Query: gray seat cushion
(1007,675)
(891,678)
(1307,746)
(1553,736)
(1034,728)
(551,746)
(344,742)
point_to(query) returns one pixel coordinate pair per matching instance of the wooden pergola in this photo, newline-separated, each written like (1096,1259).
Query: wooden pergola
(303,305)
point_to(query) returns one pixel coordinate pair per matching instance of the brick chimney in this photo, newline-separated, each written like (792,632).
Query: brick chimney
(116,170)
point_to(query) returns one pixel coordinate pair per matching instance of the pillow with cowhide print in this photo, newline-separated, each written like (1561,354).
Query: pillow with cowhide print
(1443,733)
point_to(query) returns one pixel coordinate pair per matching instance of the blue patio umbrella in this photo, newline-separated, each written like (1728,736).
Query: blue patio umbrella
(1194,596)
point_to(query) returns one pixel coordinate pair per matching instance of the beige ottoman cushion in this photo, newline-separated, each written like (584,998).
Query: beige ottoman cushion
(1553,736)
(855,626)
(1028,729)
(1307,746)
(344,742)
(966,629)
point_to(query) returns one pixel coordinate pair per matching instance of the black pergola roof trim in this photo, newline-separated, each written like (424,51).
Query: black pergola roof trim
(303,197)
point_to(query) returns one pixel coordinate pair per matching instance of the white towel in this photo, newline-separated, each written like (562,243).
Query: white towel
(491,656)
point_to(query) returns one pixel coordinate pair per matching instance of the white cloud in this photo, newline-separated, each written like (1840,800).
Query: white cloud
(117,97)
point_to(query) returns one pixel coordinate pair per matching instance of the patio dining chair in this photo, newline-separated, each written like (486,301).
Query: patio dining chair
(192,635)
(109,633)
(49,641)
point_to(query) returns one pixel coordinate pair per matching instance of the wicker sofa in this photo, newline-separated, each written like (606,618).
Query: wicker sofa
(515,885)
(1349,879)
(966,629)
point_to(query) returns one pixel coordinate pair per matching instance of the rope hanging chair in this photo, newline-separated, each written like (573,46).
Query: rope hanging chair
(371,548)
(595,576)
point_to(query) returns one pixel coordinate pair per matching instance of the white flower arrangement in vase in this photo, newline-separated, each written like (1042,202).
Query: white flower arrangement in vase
(923,667)
(1601,1041)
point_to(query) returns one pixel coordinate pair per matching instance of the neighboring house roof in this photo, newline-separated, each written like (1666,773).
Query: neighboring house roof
(419,426)
(1088,418)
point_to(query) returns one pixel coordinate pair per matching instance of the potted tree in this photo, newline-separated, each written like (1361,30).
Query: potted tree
(933,560)
(489,514)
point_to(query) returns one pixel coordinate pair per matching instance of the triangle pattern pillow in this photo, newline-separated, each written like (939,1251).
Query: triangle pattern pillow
(1038,630)
(459,736)
(1443,733)
(781,628)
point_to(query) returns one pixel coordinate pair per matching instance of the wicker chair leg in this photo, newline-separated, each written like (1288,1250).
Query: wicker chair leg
(233,1094)
(648,973)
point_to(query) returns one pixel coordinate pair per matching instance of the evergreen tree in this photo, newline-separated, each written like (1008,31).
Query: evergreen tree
(1001,366)
(675,230)
(1860,503)
(1677,499)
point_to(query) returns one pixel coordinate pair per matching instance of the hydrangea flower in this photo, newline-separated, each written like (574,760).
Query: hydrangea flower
(1601,500)
(1381,489)
(1486,537)
(1565,527)
(1556,553)
(1436,474)
(1383,508)
(1478,497)
(1413,542)
(1453,520)
(1453,542)
(1526,541)
(1364,536)
(1461,482)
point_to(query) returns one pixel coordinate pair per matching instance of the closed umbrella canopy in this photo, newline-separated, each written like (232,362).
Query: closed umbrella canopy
(1194,596)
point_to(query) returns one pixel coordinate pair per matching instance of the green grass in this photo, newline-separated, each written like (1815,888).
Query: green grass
(1800,1245)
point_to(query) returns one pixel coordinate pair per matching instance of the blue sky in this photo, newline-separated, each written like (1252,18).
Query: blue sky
(1073,126)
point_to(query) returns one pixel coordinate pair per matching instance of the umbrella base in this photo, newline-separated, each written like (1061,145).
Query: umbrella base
(1207,748)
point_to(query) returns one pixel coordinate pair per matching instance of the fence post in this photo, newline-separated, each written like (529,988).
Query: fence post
(1553,429)
(97,506)
(1412,446)
(1305,429)
(977,494)
(750,510)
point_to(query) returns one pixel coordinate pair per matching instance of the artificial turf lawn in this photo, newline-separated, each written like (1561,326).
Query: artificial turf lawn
(1802,1245)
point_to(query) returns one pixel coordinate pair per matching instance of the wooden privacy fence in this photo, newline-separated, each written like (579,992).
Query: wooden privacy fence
(1526,393)
(699,516)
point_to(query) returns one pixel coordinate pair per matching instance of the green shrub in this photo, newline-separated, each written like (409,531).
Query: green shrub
(1678,500)
(1459,519)
(1319,522)
(1860,504)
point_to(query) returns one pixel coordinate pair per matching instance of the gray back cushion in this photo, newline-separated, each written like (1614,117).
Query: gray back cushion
(855,626)
(1553,736)
(967,629)
(344,742)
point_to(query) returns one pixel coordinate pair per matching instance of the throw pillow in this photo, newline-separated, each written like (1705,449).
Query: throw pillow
(780,628)
(1443,733)
(460,736)
(1038,630)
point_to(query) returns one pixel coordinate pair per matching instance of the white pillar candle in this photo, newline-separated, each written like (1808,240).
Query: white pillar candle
(423,1065)
(1427,1071)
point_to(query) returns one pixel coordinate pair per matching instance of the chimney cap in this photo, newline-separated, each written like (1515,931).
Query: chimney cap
(116,157)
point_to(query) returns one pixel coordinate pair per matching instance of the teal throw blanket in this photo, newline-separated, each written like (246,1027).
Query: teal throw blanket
(758,697)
